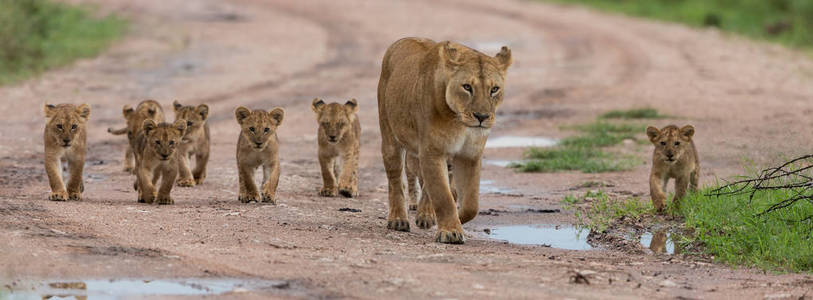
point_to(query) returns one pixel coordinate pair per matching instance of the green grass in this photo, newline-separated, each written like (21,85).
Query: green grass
(789,22)
(37,35)
(604,211)
(637,113)
(729,230)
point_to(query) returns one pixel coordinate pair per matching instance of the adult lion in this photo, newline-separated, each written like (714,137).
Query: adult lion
(438,100)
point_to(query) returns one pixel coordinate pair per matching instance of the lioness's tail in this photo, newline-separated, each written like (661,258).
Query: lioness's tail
(117,131)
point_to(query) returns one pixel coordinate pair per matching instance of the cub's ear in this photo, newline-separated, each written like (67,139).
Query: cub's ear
(83,111)
(450,54)
(241,113)
(127,110)
(687,131)
(652,132)
(203,110)
(148,126)
(177,105)
(277,114)
(151,111)
(352,106)
(49,110)
(504,58)
(180,125)
(317,105)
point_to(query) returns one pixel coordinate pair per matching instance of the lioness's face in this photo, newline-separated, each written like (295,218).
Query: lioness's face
(195,117)
(164,138)
(65,121)
(475,84)
(671,142)
(335,119)
(258,126)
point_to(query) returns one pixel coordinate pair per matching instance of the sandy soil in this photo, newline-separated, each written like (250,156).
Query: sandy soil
(747,100)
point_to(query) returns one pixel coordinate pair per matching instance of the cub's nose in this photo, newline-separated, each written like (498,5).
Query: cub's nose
(164,156)
(332,138)
(258,144)
(481,117)
(66,141)
(670,155)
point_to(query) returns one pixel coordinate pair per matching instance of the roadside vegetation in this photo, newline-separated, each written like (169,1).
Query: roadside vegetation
(789,22)
(603,211)
(37,35)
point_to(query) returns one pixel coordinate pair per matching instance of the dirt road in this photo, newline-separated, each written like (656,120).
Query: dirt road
(747,101)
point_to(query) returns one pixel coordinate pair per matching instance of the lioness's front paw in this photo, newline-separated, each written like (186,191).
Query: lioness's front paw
(425,220)
(327,192)
(398,224)
(199,180)
(58,196)
(164,200)
(77,196)
(248,198)
(269,198)
(451,237)
(149,199)
(348,192)
(186,182)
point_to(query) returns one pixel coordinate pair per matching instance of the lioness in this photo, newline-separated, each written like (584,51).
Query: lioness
(438,100)
(339,141)
(65,140)
(674,157)
(147,109)
(195,142)
(158,146)
(258,145)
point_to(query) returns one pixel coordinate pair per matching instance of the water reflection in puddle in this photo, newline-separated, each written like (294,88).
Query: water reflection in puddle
(519,141)
(488,187)
(563,237)
(126,288)
(498,162)
(659,242)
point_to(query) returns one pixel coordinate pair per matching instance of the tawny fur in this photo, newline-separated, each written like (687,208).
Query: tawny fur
(438,101)
(65,139)
(147,109)
(158,146)
(257,146)
(195,143)
(675,156)
(339,137)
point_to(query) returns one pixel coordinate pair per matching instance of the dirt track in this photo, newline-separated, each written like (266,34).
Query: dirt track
(747,100)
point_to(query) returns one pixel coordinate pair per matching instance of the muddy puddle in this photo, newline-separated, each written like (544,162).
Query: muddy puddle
(489,187)
(133,288)
(560,236)
(498,162)
(519,141)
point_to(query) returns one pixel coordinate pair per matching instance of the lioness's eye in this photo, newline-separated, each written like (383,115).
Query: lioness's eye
(677,143)
(467,87)
(663,143)
(59,126)
(188,123)
(73,126)
(251,129)
(158,142)
(267,129)
(494,90)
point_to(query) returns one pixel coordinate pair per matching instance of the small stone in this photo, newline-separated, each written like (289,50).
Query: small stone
(667,283)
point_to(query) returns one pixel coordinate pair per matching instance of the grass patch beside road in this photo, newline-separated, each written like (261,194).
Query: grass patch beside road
(637,113)
(37,35)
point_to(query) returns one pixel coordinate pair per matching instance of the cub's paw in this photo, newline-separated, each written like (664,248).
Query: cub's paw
(149,199)
(186,182)
(199,180)
(248,198)
(398,224)
(76,196)
(164,200)
(413,206)
(268,198)
(348,192)
(58,196)
(128,169)
(450,237)
(327,192)
(425,220)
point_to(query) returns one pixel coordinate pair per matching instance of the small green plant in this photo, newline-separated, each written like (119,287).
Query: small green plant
(604,210)
(638,113)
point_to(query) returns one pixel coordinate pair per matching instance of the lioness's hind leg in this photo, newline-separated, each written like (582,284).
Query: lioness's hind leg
(394,165)
(412,167)
(425,218)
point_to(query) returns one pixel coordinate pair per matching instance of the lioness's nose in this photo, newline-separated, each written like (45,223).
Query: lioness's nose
(259,144)
(66,141)
(481,117)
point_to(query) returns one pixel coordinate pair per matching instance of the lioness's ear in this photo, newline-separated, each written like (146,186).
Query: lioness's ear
(504,58)
(317,105)
(277,114)
(687,131)
(352,106)
(127,111)
(652,133)
(49,110)
(180,125)
(177,105)
(450,55)
(203,110)
(241,113)
(83,111)
(148,125)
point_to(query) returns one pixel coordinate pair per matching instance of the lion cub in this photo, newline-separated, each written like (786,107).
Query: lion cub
(158,146)
(147,109)
(65,139)
(195,142)
(674,157)
(258,145)
(339,137)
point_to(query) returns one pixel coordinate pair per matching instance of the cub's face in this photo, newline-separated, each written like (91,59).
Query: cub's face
(145,110)
(671,142)
(258,126)
(335,119)
(475,84)
(163,138)
(65,121)
(195,117)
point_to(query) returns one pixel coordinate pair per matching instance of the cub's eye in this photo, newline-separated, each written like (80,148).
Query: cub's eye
(158,142)
(58,126)
(251,129)
(325,124)
(188,123)
(73,126)
(467,87)
(171,143)
(663,143)
(677,143)
(494,90)
(267,129)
